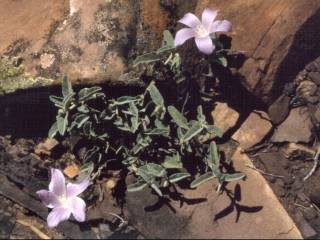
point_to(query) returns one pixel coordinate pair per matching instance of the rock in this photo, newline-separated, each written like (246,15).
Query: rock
(92,42)
(279,110)
(207,214)
(273,45)
(46,147)
(253,130)
(224,117)
(296,128)
(307,90)
(72,170)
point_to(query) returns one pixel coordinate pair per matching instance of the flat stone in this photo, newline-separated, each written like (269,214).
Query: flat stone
(279,109)
(296,128)
(224,117)
(253,130)
(208,215)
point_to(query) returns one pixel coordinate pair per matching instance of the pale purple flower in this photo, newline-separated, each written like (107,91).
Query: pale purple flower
(63,199)
(201,30)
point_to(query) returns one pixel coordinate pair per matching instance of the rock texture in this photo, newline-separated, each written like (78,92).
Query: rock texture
(279,38)
(90,41)
(296,128)
(254,129)
(224,117)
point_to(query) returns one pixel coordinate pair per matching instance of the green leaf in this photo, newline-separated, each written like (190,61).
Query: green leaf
(158,132)
(87,128)
(81,119)
(62,123)
(58,101)
(147,58)
(66,87)
(68,100)
(168,39)
(213,156)
(124,100)
(233,177)
(53,130)
(155,94)
(214,130)
(143,173)
(154,169)
(138,186)
(178,118)
(202,179)
(195,129)
(176,177)
(87,94)
(222,61)
(156,189)
(172,162)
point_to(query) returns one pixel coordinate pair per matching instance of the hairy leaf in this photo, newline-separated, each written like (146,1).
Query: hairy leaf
(195,129)
(53,130)
(178,118)
(213,156)
(202,179)
(233,177)
(147,58)
(176,177)
(66,87)
(138,186)
(155,187)
(87,94)
(172,162)
(62,123)
(58,101)
(155,94)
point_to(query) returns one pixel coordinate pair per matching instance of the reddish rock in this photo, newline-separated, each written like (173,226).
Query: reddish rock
(274,35)
(253,130)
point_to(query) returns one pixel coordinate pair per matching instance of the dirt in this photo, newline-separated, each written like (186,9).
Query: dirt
(285,176)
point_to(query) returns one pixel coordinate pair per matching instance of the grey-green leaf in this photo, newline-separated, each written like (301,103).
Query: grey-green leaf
(138,186)
(177,117)
(147,58)
(154,169)
(53,130)
(155,94)
(233,177)
(213,156)
(195,129)
(156,189)
(176,177)
(86,94)
(81,119)
(202,179)
(66,87)
(173,162)
(62,123)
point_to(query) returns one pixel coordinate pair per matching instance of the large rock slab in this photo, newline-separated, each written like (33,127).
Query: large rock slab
(276,35)
(92,42)
(297,128)
(260,215)
(253,130)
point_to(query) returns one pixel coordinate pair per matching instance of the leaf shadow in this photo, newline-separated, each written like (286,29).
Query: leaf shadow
(235,199)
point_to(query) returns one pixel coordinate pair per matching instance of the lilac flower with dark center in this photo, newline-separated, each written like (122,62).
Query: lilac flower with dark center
(63,199)
(201,30)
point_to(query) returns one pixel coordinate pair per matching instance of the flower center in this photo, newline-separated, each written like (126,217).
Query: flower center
(201,31)
(63,200)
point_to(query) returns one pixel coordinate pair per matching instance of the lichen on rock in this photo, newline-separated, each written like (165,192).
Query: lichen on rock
(13,76)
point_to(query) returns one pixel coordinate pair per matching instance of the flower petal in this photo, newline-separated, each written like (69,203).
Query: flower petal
(57,184)
(74,189)
(48,198)
(58,215)
(78,209)
(208,17)
(205,45)
(221,26)
(190,20)
(183,35)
